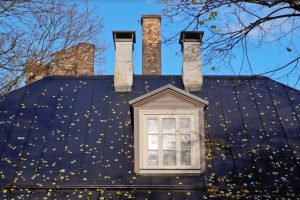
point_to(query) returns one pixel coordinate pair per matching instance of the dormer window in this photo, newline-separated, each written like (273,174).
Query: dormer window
(169,132)
(167,137)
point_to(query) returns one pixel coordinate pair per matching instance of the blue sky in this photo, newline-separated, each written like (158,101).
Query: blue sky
(126,15)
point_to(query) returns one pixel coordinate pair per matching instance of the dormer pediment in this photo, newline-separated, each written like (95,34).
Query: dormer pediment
(169,96)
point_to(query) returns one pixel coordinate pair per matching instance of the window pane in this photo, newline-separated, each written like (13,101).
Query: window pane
(152,142)
(185,157)
(169,142)
(169,125)
(185,125)
(169,158)
(185,141)
(152,158)
(152,126)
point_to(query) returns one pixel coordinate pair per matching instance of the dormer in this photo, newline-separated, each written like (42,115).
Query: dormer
(169,132)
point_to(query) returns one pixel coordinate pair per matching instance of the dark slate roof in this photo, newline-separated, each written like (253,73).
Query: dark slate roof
(72,137)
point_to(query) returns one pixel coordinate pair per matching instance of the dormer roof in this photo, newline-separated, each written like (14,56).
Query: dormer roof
(168,87)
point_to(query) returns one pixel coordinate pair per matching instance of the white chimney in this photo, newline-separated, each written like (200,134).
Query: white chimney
(123,76)
(192,63)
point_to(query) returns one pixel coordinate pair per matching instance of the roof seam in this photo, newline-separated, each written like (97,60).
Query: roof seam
(281,124)
(28,132)
(49,131)
(86,135)
(245,132)
(226,131)
(265,130)
(13,122)
(67,136)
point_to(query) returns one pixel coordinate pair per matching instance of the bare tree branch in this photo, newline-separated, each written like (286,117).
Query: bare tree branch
(240,25)
(36,29)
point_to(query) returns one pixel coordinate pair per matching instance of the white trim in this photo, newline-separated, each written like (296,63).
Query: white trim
(193,115)
(168,86)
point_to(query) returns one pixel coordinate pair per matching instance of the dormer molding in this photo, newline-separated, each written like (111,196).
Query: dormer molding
(173,92)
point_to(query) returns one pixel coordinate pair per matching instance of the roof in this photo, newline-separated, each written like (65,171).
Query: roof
(72,137)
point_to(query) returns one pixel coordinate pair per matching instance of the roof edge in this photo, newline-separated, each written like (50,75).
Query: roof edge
(154,76)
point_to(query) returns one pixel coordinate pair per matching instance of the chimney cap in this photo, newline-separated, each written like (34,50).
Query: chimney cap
(124,36)
(150,16)
(191,36)
(85,44)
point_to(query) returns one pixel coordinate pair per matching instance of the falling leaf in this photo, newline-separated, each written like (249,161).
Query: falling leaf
(202,22)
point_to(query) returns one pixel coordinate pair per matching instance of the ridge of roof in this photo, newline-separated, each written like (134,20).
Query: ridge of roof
(163,77)
(154,76)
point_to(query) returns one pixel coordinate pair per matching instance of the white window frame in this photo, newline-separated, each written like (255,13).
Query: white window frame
(196,131)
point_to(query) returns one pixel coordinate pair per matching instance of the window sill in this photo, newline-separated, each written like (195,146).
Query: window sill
(169,172)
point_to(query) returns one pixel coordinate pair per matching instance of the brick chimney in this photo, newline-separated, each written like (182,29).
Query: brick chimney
(151,50)
(76,60)
(192,63)
(123,76)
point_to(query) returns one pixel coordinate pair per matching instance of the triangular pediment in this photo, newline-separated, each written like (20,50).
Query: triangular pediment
(168,96)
